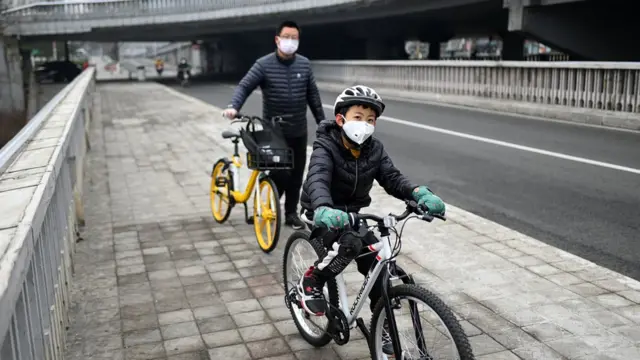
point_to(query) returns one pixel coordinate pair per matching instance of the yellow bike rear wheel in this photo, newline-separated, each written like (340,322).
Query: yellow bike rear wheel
(267,223)
(221,202)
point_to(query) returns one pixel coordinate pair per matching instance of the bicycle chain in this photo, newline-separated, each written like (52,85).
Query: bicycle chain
(338,327)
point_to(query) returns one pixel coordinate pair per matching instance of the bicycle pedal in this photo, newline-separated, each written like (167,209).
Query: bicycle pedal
(287,301)
(291,298)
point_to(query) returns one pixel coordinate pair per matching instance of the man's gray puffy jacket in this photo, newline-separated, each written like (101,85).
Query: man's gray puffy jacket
(287,87)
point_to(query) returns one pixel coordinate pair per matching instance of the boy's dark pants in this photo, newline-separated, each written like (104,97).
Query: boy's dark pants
(343,248)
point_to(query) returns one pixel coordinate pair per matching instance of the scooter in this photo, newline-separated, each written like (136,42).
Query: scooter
(185,79)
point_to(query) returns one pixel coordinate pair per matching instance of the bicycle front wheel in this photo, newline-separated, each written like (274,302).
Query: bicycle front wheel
(266,222)
(427,329)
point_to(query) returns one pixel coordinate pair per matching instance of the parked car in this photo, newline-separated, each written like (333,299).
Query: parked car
(57,71)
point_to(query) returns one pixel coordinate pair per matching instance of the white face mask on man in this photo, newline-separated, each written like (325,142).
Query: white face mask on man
(288,46)
(358,131)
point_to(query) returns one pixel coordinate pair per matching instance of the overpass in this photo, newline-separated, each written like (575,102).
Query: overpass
(243,26)
(106,231)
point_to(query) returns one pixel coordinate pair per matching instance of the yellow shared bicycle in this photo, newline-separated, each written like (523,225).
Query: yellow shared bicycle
(266,151)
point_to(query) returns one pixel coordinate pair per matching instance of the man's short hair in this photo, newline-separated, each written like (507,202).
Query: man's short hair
(288,24)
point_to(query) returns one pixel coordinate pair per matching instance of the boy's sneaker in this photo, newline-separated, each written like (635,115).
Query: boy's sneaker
(313,300)
(294,221)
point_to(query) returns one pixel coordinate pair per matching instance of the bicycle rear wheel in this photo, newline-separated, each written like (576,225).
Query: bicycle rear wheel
(426,319)
(220,196)
(267,223)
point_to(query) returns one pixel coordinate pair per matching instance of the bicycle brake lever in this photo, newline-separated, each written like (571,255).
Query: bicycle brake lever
(441,217)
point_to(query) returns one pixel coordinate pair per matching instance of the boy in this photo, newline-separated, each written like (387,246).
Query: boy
(344,162)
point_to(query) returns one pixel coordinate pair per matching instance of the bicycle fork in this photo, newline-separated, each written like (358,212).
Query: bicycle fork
(256,193)
(391,320)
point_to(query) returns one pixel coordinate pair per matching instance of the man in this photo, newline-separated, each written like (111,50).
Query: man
(288,85)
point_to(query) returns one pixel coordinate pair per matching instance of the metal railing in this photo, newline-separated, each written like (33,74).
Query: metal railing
(84,10)
(591,85)
(37,243)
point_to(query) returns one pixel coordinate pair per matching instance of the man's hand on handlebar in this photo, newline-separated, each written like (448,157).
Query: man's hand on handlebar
(230,113)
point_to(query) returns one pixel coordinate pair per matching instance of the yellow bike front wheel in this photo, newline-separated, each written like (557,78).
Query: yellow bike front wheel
(267,223)
(220,192)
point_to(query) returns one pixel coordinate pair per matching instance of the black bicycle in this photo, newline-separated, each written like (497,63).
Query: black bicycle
(429,319)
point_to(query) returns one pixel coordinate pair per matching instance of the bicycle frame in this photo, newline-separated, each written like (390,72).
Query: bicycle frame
(252,184)
(384,253)
(383,250)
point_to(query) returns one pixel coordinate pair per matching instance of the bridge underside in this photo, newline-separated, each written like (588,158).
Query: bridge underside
(587,30)
(590,30)
(365,19)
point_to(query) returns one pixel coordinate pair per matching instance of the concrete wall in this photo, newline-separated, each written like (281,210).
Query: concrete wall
(11,83)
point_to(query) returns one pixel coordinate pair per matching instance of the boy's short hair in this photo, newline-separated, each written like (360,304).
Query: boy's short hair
(288,24)
(343,110)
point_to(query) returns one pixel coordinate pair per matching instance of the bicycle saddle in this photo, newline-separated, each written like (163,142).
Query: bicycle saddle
(229,134)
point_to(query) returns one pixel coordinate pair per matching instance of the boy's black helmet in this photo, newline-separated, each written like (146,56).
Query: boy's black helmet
(359,95)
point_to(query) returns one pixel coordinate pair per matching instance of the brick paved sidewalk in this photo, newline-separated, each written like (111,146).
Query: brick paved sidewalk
(157,278)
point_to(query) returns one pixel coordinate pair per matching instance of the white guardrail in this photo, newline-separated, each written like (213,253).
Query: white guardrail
(608,86)
(40,200)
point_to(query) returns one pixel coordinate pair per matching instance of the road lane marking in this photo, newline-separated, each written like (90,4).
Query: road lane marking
(500,143)
(506,144)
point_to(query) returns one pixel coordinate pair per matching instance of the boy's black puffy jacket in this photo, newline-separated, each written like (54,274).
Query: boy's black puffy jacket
(338,180)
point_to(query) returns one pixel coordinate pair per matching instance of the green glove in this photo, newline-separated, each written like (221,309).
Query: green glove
(425,197)
(330,218)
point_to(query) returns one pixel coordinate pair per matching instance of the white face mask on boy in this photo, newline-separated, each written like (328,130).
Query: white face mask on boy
(358,131)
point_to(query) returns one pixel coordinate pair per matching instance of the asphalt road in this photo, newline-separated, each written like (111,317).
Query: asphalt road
(588,210)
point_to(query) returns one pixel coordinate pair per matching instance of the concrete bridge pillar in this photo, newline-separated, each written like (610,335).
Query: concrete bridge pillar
(228,57)
(195,56)
(67,55)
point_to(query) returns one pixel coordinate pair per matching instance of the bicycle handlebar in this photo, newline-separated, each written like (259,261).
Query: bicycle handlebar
(412,208)
(240,117)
